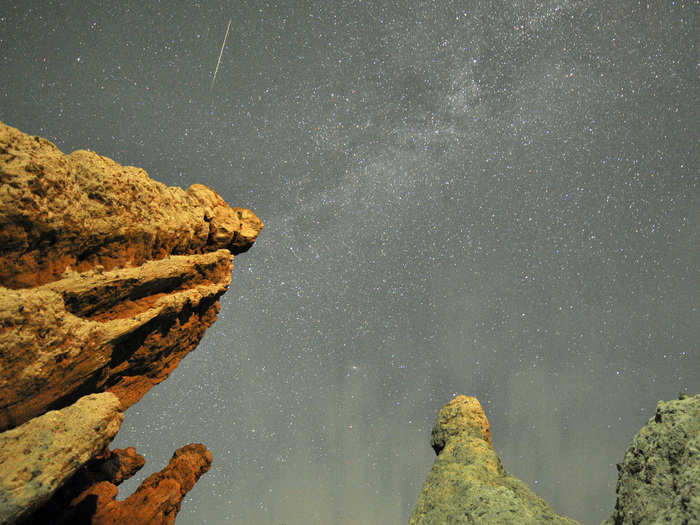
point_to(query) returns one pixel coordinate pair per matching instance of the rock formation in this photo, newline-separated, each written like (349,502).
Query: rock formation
(157,500)
(42,454)
(107,280)
(468,483)
(658,481)
(659,478)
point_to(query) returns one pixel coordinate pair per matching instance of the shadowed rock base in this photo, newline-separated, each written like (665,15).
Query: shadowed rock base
(90,497)
(468,484)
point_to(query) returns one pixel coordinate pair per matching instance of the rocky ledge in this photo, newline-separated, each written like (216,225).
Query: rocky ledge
(107,280)
(658,481)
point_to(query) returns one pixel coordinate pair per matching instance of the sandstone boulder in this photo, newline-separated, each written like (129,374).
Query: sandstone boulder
(84,210)
(90,497)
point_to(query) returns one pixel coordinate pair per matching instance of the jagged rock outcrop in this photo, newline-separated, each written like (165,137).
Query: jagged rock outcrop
(107,280)
(659,478)
(121,331)
(90,497)
(120,464)
(42,454)
(468,483)
(83,210)
(158,498)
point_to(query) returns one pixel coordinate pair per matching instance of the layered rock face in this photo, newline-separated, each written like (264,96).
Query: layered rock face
(107,280)
(468,483)
(659,478)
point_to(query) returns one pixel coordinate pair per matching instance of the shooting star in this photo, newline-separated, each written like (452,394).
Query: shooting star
(218,62)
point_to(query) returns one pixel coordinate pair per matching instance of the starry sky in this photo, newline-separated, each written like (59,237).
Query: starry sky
(492,198)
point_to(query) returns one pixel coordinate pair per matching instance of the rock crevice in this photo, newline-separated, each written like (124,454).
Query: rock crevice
(82,210)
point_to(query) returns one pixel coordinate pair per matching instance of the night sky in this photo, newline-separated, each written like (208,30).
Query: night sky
(490,198)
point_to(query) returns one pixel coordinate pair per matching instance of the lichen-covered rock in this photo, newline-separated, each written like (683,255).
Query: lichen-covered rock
(468,484)
(659,478)
(40,455)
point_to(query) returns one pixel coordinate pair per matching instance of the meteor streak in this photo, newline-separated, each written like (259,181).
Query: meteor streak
(218,62)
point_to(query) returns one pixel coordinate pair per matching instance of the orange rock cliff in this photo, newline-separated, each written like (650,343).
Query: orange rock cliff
(107,280)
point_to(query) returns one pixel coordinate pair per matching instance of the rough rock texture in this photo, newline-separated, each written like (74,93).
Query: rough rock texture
(110,277)
(120,464)
(122,331)
(40,455)
(468,483)
(107,280)
(90,497)
(157,500)
(83,210)
(659,479)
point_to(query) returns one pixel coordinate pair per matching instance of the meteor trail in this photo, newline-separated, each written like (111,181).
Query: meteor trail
(218,62)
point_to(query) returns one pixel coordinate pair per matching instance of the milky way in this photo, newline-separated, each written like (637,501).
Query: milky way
(495,199)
